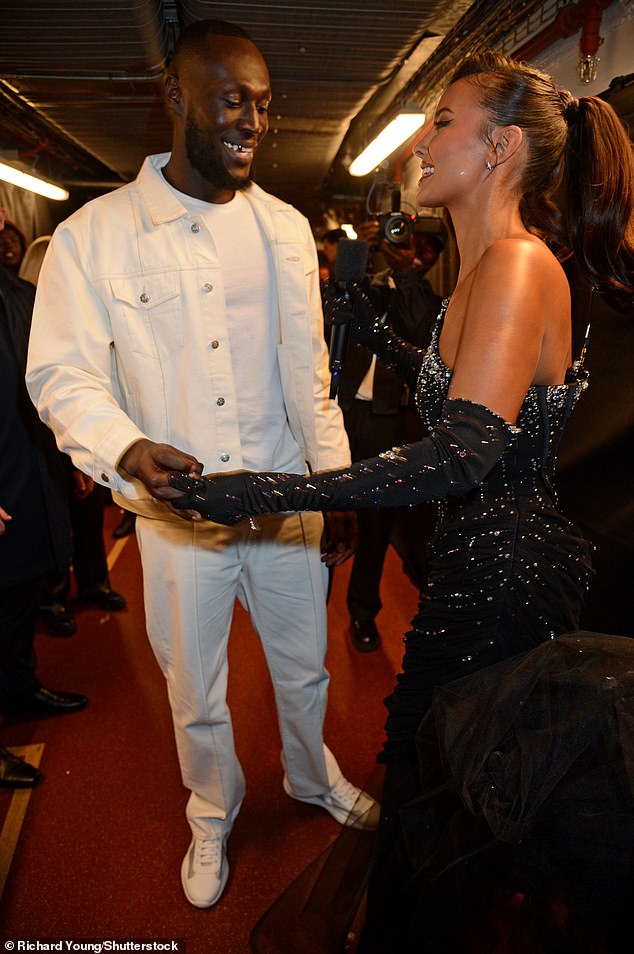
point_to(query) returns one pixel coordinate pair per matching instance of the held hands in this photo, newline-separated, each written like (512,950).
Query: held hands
(230,498)
(153,463)
(216,498)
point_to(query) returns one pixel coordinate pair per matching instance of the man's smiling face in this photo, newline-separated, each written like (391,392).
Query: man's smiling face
(227,97)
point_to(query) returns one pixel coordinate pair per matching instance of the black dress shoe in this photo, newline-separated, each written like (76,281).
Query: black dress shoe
(43,701)
(58,620)
(101,595)
(365,635)
(126,527)
(16,773)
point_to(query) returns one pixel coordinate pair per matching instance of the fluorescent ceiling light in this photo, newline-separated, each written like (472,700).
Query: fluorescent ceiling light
(395,133)
(31,183)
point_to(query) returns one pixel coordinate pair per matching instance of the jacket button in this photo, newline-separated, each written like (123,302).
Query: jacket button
(105,478)
(215,344)
(208,287)
(225,457)
(144,298)
(220,401)
(195,228)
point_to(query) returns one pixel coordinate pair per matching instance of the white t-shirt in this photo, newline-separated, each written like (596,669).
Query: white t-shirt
(254,332)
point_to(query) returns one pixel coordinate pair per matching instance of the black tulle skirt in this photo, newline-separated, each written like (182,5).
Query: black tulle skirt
(511,833)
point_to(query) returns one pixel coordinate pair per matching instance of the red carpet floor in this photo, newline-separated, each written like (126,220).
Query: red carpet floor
(98,855)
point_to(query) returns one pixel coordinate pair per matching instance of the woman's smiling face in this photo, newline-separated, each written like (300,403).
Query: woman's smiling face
(453,150)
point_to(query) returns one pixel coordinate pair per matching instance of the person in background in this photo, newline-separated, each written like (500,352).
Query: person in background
(34,527)
(593,479)
(86,507)
(125,526)
(523,168)
(31,262)
(329,246)
(324,267)
(16,772)
(192,280)
(375,404)
(12,247)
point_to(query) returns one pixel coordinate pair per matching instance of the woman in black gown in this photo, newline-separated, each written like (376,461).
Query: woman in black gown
(528,175)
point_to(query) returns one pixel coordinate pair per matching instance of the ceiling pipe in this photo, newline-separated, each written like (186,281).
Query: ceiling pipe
(584,15)
(590,40)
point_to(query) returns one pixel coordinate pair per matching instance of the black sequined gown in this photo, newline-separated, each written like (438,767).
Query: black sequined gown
(507,570)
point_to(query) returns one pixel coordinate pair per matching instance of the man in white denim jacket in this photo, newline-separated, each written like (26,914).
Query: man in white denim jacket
(178,320)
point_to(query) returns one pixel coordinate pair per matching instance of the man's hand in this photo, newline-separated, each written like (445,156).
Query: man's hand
(83,485)
(4,519)
(152,464)
(368,231)
(397,257)
(341,536)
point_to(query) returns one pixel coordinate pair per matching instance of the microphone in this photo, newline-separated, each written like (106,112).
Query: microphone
(350,267)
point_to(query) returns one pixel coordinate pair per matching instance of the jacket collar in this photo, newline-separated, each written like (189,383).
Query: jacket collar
(164,206)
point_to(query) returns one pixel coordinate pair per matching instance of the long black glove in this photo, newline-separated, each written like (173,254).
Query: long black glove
(456,456)
(369,329)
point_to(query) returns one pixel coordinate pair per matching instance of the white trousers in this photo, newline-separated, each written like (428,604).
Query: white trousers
(193,572)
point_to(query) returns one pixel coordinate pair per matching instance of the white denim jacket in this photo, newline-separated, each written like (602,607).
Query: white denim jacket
(124,343)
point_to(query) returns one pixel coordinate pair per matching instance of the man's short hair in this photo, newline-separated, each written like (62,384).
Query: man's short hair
(193,39)
(334,235)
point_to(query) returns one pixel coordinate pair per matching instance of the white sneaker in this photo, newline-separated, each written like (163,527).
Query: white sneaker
(347,804)
(205,870)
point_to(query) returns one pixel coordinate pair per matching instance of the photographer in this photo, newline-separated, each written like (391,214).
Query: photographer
(401,287)
(375,403)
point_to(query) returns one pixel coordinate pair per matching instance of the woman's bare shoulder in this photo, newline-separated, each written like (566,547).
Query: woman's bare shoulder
(521,249)
(523,268)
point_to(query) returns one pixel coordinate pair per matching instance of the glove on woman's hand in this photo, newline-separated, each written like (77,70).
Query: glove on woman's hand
(354,306)
(455,457)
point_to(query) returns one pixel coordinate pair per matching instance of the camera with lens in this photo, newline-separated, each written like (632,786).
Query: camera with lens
(396,227)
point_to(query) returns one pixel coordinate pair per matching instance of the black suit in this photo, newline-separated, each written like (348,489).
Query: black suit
(33,489)
(594,475)
(374,426)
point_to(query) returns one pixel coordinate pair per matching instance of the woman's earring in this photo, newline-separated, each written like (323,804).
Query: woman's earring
(489,165)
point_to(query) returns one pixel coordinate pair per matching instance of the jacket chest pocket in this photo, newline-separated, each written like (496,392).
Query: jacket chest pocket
(147,311)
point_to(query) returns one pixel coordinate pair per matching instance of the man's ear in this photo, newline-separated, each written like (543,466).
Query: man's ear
(507,139)
(174,93)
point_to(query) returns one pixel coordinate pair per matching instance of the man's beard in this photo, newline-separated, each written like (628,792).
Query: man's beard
(203,156)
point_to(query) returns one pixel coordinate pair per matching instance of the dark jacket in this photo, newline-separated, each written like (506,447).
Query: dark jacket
(33,481)
(412,307)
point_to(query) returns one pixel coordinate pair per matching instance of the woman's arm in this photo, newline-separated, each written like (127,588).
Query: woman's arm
(456,456)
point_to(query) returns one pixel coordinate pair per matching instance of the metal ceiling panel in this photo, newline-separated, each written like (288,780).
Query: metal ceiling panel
(80,89)
(82,38)
(90,69)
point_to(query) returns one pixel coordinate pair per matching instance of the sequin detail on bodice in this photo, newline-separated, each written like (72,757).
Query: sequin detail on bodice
(507,571)
(527,466)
